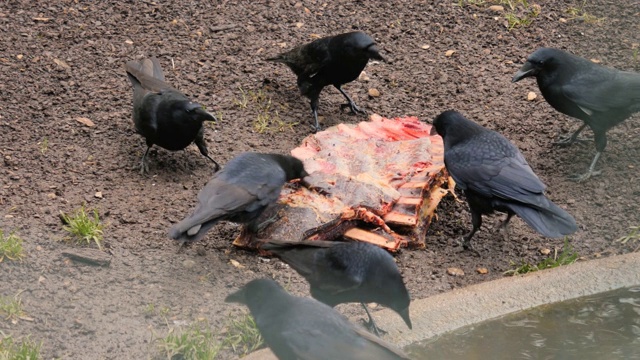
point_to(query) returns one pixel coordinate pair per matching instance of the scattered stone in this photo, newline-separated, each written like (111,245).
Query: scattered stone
(363,76)
(453,271)
(449,53)
(236,264)
(374,92)
(531,96)
(596,61)
(200,250)
(19,56)
(51,196)
(545,251)
(98,194)
(85,121)
(189,264)
(563,20)
(88,256)
(482,270)
(62,64)
(496,8)
(425,47)
(299,25)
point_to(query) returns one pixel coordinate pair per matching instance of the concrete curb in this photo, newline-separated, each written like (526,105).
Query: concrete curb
(448,311)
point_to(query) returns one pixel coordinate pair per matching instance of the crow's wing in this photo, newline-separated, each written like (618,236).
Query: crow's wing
(148,74)
(316,56)
(602,90)
(493,167)
(217,200)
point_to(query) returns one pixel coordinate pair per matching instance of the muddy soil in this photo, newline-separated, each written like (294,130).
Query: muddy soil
(61,60)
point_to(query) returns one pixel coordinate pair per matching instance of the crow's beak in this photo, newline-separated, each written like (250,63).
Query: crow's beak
(405,316)
(374,53)
(236,297)
(433,131)
(205,115)
(525,71)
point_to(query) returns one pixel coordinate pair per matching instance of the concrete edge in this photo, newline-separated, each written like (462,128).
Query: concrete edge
(449,311)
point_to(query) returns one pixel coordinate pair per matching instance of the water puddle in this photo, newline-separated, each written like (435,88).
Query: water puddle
(602,326)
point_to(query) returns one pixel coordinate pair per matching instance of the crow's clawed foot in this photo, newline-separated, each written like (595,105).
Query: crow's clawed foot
(584,177)
(353,107)
(373,328)
(143,167)
(466,245)
(215,163)
(569,140)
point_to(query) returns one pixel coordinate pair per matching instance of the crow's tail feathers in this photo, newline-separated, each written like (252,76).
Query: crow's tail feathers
(550,221)
(189,233)
(278,58)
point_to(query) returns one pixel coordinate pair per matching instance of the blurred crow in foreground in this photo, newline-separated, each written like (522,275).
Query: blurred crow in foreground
(495,177)
(304,328)
(332,60)
(343,272)
(599,96)
(163,115)
(239,192)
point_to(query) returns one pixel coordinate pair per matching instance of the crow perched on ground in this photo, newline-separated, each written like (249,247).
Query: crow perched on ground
(163,115)
(599,96)
(304,328)
(495,177)
(332,60)
(342,272)
(239,192)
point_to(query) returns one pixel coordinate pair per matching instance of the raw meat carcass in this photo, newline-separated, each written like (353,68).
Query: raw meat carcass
(378,181)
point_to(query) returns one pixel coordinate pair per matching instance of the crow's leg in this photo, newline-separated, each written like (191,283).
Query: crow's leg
(352,105)
(601,143)
(504,226)
(143,166)
(255,227)
(568,140)
(202,146)
(476,221)
(590,173)
(371,325)
(314,111)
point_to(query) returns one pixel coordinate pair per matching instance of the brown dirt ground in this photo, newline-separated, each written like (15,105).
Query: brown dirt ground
(71,65)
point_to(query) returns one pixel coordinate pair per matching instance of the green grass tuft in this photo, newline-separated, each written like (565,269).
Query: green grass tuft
(83,228)
(633,235)
(10,247)
(242,335)
(579,13)
(11,308)
(195,343)
(566,257)
(24,350)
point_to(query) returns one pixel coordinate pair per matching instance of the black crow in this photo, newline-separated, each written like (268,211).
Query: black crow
(239,192)
(343,272)
(332,60)
(599,96)
(305,329)
(495,177)
(163,115)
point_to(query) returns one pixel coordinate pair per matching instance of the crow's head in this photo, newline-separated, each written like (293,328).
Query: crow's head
(539,62)
(188,110)
(364,44)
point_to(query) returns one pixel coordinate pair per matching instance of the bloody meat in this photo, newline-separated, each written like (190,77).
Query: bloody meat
(379,181)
